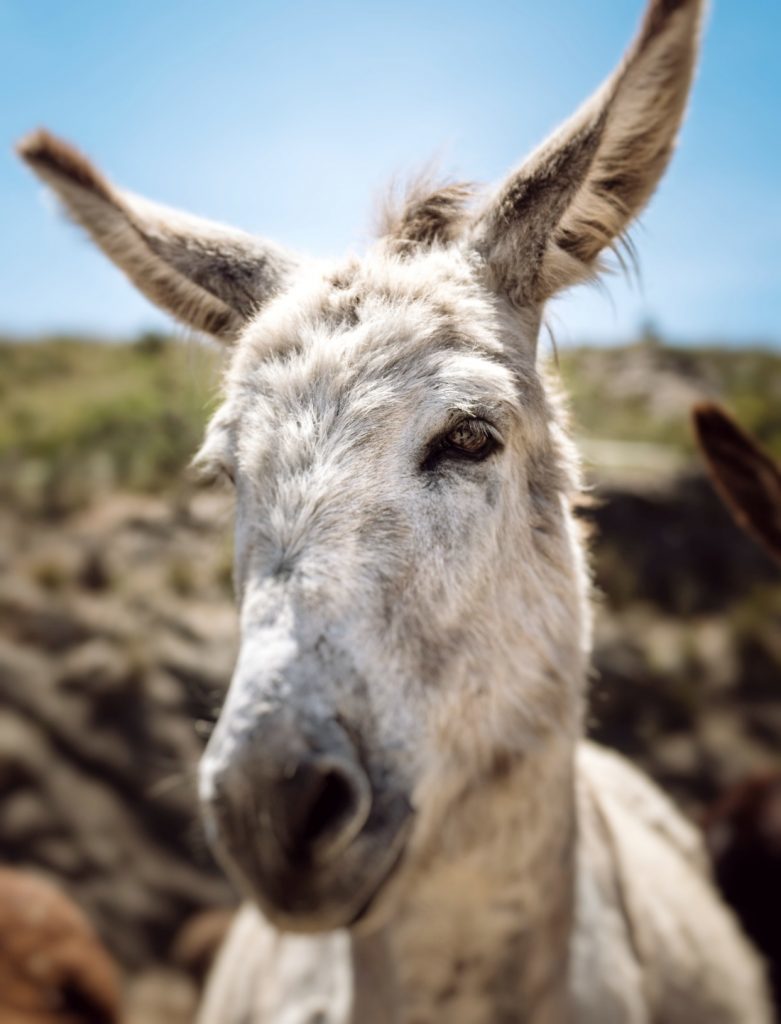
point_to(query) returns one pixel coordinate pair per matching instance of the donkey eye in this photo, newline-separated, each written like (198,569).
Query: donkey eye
(471,438)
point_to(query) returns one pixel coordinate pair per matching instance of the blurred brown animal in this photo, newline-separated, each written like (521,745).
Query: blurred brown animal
(53,968)
(743,829)
(743,833)
(747,479)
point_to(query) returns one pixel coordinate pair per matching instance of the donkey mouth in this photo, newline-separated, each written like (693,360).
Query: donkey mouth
(303,896)
(312,905)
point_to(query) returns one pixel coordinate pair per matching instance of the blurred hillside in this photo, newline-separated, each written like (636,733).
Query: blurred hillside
(117,629)
(639,397)
(79,418)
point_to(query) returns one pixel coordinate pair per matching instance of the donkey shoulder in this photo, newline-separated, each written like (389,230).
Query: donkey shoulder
(682,941)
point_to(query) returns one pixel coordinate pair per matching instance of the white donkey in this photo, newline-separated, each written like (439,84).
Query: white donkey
(399,773)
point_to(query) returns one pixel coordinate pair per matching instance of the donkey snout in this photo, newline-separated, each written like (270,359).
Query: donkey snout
(297,819)
(282,795)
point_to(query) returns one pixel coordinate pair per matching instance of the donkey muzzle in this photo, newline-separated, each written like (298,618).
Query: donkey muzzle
(293,817)
(299,792)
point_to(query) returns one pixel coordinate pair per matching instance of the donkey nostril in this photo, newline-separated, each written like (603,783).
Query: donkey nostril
(314,808)
(333,804)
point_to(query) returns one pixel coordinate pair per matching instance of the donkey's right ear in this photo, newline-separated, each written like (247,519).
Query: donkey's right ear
(578,193)
(210,277)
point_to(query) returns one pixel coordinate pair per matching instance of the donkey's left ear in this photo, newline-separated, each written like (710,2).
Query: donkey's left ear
(210,277)
(581,189)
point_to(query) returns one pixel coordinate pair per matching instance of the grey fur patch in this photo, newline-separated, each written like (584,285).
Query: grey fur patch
(519,225)
(242,276)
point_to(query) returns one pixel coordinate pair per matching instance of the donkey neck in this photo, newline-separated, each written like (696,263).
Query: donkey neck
(482,935)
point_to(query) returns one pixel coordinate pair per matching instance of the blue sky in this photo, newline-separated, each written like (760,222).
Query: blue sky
(288,119)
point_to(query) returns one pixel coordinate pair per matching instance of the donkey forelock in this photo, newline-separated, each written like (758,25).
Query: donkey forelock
(427,214)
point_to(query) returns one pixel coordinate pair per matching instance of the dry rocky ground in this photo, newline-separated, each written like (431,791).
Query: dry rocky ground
(117,635)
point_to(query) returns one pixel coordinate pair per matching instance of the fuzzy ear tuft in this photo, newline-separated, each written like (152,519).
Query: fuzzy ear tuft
(429,214)
(579,192)
(210,277)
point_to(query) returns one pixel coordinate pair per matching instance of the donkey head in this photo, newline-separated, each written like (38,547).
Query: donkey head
(411,589)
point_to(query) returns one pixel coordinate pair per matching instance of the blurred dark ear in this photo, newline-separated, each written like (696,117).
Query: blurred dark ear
(578,193)
(210,277)
(747,479)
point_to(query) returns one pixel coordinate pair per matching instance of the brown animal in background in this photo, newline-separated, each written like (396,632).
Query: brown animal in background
(743,829)
(743,832)
(53,968)
(746,477)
